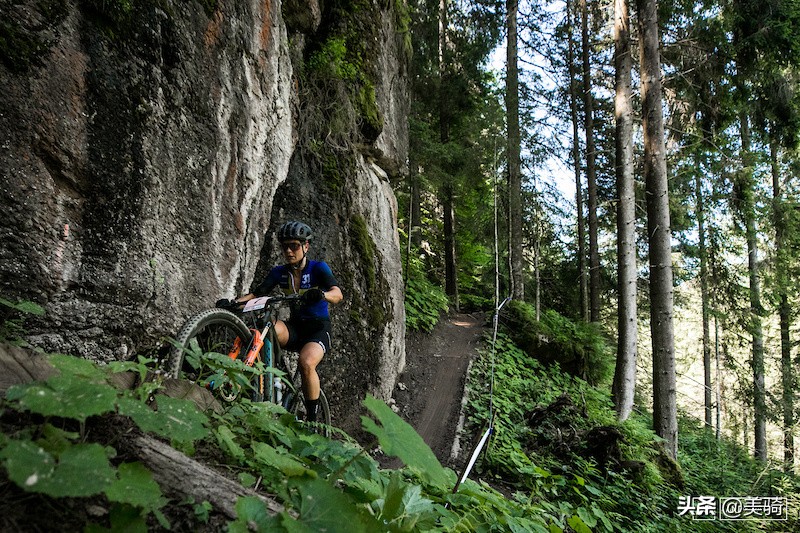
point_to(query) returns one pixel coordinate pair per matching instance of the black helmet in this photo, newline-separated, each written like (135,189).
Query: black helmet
(294,230)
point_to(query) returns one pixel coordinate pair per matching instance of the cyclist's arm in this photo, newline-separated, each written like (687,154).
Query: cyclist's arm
(332,295)
(262,289)
(265,287)
(327,282)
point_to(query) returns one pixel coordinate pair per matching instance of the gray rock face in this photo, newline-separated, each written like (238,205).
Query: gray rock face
(146,158)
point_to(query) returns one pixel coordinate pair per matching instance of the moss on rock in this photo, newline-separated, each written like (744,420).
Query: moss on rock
(376,286)
(26,35)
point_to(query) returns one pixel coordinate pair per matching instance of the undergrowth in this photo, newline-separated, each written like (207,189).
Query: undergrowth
(47,449)
(424,301)
(541,471)
(53,447)
(12,320)
(557,445)
(578,347)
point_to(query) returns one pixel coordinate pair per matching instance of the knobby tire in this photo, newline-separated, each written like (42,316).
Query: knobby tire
(295,403)
(214,330)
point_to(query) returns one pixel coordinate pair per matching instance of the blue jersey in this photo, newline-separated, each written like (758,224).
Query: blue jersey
(316,274)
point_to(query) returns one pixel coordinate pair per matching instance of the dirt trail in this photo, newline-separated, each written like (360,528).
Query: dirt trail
(430,390)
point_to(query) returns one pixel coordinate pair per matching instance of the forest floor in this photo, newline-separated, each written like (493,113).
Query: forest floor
(430,390)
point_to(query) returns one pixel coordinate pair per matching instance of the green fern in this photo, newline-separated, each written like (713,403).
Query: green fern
(424,301)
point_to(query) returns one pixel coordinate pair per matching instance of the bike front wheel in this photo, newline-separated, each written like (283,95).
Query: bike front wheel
(210,331)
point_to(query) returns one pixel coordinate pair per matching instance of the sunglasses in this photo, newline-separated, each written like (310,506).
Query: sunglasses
(293,246)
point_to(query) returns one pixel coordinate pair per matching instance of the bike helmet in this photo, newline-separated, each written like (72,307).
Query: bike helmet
(294,230)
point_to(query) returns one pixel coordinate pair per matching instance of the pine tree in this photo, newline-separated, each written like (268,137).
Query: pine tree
(665,419)
(627,324)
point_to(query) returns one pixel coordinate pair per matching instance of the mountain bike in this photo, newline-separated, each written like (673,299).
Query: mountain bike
(210,343)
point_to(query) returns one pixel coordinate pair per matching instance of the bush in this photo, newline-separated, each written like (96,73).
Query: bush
(424,301)
(579,348)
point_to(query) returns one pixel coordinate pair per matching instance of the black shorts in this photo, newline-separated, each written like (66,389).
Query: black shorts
(301,332)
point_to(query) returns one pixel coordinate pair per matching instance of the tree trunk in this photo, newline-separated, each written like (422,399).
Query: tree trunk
(718,375)
(784,310)
(665,419)
(704,297)
(537,247)
(450,270)
(746,189)
(583,285)
(447,193)
(514,171)
(415,210)
(625,371)
(591,173)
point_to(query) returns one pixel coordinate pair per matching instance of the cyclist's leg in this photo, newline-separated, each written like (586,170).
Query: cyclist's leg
(310,356)
(311,339)
(316,346)
(282,332)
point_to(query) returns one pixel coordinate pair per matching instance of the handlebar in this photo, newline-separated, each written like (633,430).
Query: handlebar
(256,304)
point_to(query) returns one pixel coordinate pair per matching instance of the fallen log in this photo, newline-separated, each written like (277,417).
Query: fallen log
(177,473)
(18,365)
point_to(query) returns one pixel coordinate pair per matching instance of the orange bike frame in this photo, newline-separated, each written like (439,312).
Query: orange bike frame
(252,353)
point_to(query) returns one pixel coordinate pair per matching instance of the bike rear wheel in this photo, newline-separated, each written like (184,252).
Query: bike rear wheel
(295,403)
(210,331)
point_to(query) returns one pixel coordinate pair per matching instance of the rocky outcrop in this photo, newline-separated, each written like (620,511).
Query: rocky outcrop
(147,154)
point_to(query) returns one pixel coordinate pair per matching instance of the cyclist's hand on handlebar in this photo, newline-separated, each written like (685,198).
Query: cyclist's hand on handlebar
(312,296)
(224,303)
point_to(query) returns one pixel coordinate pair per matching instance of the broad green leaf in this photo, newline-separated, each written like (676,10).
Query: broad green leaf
(287,464)
(251,511)
(69,397)
(227,441)
(292,525)
(136,487)
(176,418)
(27,463)
(523,525)
(324,508)
(578,525)
(414,503)
(124,519)
(404,507)
(602,516)
(25,306)
(246,479)
(56,440)
(76,366)
(399,439)
(81,470)
(587,517)
(393,501)
(364,489)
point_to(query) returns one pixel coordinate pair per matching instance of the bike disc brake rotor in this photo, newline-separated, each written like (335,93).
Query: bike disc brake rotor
(229,391)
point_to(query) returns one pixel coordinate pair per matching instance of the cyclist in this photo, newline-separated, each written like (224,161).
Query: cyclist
(308,329)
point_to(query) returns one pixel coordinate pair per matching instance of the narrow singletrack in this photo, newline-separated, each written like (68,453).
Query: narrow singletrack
(430,389)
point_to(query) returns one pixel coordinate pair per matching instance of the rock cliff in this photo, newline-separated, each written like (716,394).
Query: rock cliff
(151,147)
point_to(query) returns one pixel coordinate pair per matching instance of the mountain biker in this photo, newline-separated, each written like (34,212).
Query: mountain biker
(308,329)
